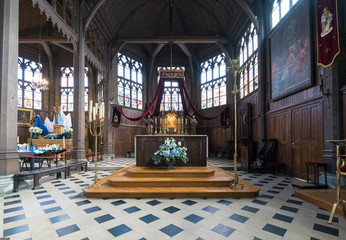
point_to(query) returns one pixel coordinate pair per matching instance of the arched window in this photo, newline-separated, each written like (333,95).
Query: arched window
(28,97)
(213,82)
(280,8)
(171,98)
(130,82)
(66,89)
(248,61)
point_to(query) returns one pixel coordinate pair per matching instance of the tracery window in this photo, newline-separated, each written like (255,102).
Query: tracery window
(280,8)
(213,82)
(171,98)
(248,61)
(28,97)
(66,89)
(130,82)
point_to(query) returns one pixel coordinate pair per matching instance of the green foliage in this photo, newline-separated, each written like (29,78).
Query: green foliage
(234,66)
(170,151)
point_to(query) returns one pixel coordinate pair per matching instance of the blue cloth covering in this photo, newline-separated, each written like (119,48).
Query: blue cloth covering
(40,124)
(54,121)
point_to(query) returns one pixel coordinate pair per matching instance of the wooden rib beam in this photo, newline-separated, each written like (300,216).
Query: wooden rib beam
(248,11)
(93,12)
(37,40)
(176,40)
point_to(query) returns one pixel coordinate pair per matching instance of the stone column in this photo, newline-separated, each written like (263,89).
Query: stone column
(9,162)
(78,99)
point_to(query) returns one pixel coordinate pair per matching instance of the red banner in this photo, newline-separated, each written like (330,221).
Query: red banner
(327,32)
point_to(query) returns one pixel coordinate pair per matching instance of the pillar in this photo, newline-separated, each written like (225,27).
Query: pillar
(9,162)
(78,99)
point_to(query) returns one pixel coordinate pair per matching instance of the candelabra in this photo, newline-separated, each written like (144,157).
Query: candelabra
(235,92)
(96,117)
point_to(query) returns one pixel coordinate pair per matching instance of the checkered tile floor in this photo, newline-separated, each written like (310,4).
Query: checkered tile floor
(59,211)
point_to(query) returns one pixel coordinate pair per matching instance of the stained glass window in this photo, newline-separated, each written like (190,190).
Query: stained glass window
(213,82)
(130,82)
(280,9)
(248,62)
(171,99)
(100,86)
(28,97)
(66,89)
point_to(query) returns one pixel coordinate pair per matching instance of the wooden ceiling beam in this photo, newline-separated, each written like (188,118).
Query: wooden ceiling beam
(38,40)
(176,40)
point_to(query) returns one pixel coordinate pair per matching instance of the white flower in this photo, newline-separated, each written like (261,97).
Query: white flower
(179,144)
(68,130)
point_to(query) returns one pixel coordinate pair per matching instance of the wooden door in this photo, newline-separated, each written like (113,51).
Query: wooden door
(307,137)
(279,127)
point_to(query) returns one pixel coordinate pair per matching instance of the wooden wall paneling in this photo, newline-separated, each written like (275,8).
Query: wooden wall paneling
(279,127)
(307,136)
(343,92)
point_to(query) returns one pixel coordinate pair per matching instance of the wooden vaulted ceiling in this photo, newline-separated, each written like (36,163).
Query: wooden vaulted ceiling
(144,22)
(147,19)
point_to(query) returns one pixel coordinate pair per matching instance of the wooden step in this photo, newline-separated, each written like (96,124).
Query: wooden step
(121,185)
(170,182)
(177,172)
(107,191)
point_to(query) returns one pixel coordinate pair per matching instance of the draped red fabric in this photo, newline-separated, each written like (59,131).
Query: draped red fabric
(189,109)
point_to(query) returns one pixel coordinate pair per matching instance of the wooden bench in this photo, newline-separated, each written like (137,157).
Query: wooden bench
(37,174)
(81,165)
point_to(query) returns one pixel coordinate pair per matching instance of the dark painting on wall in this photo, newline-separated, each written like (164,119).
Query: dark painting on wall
(24,116)
(290,53)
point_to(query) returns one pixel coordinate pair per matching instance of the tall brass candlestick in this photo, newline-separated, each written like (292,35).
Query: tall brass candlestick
(94,124)
(235,156)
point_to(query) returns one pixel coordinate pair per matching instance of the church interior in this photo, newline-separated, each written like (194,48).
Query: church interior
(172,119)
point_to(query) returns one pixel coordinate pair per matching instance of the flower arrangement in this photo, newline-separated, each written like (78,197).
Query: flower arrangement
(170,152)
(35,130)
(51,135)
(52,146)
(69,132)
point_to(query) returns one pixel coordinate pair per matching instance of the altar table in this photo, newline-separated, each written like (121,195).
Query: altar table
(197,148)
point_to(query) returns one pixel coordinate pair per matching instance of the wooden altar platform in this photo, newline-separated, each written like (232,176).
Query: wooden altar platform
(160,182)
(323,198)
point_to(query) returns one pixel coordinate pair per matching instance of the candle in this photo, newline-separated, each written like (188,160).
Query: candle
(155,121)
(96,110)
(185,121)
(94,113)
(90,109)
(63,142)
(17,139)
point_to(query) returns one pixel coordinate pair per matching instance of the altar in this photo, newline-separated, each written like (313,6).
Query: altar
(197,148)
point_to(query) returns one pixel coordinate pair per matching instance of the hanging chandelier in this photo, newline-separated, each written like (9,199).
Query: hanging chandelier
(38,82)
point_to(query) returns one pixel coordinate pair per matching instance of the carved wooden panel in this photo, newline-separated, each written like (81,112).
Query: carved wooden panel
(344,110)
(307,136)
(279,127)
(146,145)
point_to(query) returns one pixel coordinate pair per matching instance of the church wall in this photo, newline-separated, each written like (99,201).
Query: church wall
(123,136)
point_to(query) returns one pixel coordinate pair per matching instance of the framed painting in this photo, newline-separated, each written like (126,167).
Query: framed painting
(24,116)
(290,53)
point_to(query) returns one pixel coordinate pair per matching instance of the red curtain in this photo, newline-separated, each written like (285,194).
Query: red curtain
(154,107)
